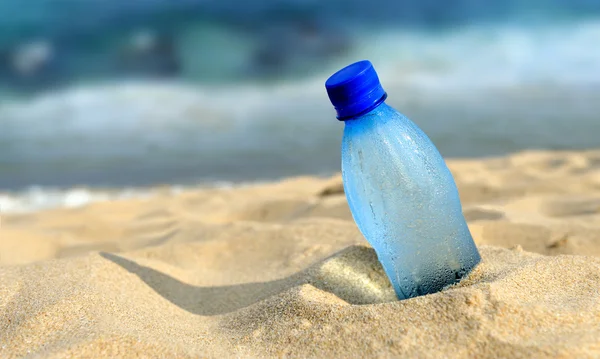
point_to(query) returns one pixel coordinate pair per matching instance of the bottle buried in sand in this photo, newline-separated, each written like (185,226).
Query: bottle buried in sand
(401,194)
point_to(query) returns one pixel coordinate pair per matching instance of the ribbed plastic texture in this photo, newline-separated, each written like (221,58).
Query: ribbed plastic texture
(354,90)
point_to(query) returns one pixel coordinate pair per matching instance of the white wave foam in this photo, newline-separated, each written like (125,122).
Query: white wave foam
(476,56)
(490,55)
(36,198)
(245,131)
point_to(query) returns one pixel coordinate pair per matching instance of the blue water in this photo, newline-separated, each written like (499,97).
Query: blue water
(191,91)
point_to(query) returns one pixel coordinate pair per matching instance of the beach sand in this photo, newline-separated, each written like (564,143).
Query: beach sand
(280,269)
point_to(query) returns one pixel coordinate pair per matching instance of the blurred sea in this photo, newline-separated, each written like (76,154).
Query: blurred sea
(113,94)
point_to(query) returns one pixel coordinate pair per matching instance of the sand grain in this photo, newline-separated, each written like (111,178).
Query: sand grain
(280,269)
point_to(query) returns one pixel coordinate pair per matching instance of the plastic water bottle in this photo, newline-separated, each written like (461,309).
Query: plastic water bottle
(401,194)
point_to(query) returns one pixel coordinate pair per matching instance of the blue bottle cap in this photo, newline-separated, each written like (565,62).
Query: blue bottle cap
(355,90)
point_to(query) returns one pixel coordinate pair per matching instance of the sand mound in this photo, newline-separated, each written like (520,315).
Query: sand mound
(281,270)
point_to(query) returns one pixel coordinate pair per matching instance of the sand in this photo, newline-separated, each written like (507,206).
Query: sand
(280,270)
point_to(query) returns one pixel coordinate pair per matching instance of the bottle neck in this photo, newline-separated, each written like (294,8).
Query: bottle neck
(375,106)
(367,109)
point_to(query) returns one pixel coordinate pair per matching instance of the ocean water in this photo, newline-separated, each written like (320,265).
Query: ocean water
(249,105)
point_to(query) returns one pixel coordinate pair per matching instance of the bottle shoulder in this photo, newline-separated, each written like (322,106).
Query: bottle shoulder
(387,146)
(385,125)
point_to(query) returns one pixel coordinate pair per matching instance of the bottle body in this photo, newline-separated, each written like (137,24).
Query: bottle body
(405,202)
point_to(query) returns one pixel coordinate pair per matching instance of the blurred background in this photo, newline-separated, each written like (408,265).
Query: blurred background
(114,94)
